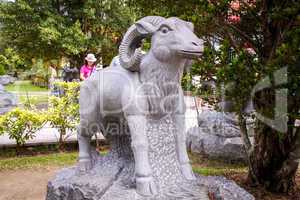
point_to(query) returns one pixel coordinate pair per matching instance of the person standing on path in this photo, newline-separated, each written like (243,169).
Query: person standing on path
(89,67)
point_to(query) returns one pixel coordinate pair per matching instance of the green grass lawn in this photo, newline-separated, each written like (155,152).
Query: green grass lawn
(212,167)
(55,159)
(200,166)
(211,171)
(43,98)
(24,86)
(25,90)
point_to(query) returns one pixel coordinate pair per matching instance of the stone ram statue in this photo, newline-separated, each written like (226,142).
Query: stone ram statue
(137,87)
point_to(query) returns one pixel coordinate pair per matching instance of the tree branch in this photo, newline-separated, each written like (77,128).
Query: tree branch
(249,8)
(229,35)
(244,35)
(280,35)
(244,133)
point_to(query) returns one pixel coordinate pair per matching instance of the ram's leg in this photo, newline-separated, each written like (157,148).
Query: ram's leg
(84,160)
(183,158)
(89,120)
(144,181)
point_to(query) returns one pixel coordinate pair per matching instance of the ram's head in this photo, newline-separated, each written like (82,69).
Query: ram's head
(169,37)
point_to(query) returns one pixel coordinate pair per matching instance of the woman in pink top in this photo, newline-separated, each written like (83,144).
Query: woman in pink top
(88,68)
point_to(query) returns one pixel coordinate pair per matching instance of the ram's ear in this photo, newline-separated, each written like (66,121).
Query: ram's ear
(145,28)
(190,25)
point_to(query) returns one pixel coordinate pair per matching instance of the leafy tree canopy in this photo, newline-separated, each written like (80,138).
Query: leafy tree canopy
(54,29)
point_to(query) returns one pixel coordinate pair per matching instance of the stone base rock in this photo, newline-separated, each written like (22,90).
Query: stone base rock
(222,124)
(7,101)
(112,177)
(215,146)
(218,136)
(6,79)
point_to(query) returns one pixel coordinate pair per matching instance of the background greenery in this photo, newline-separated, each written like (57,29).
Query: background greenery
(48,31)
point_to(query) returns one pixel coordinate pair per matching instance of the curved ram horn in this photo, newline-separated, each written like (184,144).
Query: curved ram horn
(129,51)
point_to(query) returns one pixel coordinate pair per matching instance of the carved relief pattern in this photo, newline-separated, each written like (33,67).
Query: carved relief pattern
(162,151)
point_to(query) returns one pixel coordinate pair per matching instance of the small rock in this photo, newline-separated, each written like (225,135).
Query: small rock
(218,137)
(7,101)
(6,79)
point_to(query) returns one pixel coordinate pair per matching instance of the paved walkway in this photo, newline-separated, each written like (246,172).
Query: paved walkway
(31,93)
(48,135)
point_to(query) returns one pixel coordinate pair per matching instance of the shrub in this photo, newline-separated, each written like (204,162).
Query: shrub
(11,61)
(21,125)
(39,74)
(63,112)
(2,70)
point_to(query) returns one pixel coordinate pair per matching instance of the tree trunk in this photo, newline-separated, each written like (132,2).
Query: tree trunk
(272,159)
(61,142)
(18,149)
(270,162)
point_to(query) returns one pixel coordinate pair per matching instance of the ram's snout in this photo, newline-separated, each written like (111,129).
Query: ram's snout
(193,47)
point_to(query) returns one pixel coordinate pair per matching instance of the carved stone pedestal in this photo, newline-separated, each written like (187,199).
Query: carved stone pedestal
(112,177)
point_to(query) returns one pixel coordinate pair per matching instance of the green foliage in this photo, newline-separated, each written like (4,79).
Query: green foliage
(38,74)
(63,114)
(31,101)
(11,61)
(63,111)
(74,40)
(56,29)
(186,82)
(21,125)
(2,70)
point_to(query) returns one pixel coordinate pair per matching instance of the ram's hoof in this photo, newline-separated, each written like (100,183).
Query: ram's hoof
(187,171)
(84,166)
(146,186)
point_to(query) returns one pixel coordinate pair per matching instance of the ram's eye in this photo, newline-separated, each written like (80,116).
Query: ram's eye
(165,30)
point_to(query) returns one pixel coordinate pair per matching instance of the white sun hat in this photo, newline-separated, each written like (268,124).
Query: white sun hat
(90,57)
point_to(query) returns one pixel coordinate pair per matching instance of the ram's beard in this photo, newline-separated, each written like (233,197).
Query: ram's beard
(162,89)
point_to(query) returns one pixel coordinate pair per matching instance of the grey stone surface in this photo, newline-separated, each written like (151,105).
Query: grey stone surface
(7,101)
(218,137)
(6,79)
(216,147)
(139,87)
(114,181)
(221,124)
(113,175)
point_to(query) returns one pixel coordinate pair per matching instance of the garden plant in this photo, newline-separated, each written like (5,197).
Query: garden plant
(21,125)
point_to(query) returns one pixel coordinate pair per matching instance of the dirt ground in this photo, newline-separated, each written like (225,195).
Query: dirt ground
(25,184)
(260,193)
(31,184)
